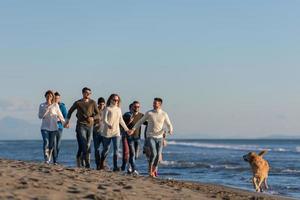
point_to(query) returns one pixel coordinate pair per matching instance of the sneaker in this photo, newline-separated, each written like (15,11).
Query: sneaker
(135,173)
(129,170)
(55,163)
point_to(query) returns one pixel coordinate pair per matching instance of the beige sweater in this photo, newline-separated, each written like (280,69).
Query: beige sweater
(113,117)
(156,120)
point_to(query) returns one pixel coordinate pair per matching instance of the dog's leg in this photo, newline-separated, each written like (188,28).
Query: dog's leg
(266,184)
(260,181)
(254,181)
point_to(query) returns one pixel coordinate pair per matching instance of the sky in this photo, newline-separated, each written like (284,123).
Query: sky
(224,69)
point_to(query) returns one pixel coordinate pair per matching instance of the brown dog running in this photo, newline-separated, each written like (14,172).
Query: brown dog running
(260,169)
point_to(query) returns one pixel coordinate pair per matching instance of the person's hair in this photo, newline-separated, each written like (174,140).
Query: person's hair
(135,102)
(56,94)
(130,106)
(158,99)
(101,100)
(110,98)
(85,89)
(50,92)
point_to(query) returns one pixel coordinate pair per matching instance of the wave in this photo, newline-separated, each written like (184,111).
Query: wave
(216,146)
(291,171)
(187,164)
(232,146)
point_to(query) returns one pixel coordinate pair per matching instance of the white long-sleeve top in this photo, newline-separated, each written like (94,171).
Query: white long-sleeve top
(156,120)
(113,117)
(50,114)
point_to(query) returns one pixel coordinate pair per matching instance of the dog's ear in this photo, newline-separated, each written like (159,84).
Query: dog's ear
(263,152)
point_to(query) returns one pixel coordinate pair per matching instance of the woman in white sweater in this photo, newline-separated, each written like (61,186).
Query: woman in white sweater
(50,113)
(112,121)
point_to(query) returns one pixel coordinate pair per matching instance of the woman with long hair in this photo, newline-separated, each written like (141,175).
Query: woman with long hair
(112,121)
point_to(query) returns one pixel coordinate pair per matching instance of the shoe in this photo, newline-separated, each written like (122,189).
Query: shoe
(135,173)
(55,163)
(78,161)
(116,169)
(129,170)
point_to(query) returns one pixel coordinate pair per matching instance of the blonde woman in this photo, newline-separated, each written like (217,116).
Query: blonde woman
(112,121)
(49,113)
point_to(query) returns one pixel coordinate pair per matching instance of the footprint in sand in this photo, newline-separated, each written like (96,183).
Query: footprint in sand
(101,187)
(92,196)
(128,187)
(74,190)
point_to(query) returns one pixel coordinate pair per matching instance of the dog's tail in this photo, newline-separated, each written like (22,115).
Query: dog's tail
(263,152)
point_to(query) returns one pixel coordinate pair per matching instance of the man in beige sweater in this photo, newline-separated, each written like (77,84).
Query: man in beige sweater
(156,119)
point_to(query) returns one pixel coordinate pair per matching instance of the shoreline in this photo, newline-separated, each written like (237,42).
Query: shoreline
(29,180)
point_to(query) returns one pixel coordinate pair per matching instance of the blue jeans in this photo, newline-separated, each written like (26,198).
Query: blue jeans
(97,138)
(106,144)
(53,144)
(156,149)
(58,141)
(45,135)
(84,137)
(132,151)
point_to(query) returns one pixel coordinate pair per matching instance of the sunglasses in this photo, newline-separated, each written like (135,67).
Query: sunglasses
(115,100)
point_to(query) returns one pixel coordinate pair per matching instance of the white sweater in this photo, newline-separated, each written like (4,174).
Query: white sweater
(50,114)
(156,120)
(113,117)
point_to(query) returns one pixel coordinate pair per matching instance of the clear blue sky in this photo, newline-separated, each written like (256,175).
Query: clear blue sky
(224,68)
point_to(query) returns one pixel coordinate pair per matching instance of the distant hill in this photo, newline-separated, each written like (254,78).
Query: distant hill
(18,129)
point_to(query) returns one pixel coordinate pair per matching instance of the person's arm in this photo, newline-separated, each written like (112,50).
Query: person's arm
(96,110)
(105,119)
(121,121)
(43,111)
(168,123)
(140,122)
(59,114)
(71,110)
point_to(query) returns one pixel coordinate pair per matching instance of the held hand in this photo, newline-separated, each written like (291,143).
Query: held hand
(90,119)
(171,132)
(129,132)
(67,124)
(109,126)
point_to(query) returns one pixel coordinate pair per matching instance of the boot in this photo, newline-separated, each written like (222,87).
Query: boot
(88,160)
(101,164)
(115,162)
(78,161)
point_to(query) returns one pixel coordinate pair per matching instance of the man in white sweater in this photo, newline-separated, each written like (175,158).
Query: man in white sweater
(156,119)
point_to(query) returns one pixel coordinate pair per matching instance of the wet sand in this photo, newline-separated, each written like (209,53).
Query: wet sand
(27,180)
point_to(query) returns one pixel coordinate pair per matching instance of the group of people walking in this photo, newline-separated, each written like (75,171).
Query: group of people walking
(104,122)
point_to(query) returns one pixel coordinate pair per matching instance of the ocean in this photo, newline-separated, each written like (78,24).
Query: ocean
(206,161)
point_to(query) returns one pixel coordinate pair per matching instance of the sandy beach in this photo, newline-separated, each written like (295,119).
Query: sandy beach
(26,180)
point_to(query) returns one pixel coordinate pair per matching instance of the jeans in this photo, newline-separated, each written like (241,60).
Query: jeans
(97,138)
(84,140)
(132,151)
(58,141)
(45,135)
(125,151)
(106,144)
(156,149)
(137,147)
(53,144)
